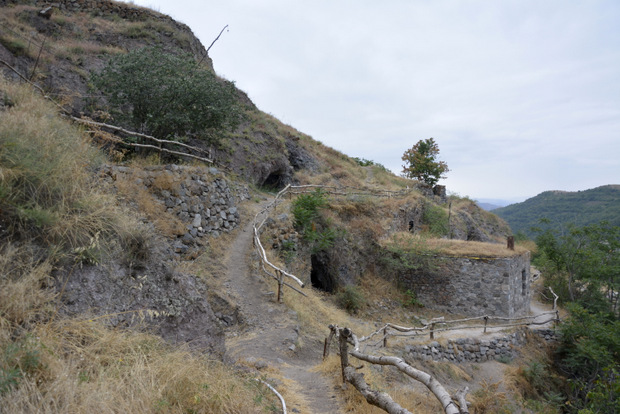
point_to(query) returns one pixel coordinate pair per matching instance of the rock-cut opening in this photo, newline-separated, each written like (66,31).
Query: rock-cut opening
(319,275)
(275,180)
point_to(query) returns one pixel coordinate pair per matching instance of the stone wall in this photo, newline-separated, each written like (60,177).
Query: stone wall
(474,349)
(468,349)
(200,197)
(476,286)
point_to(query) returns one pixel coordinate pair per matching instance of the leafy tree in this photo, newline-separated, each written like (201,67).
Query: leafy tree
(167,95)
(421,162)
(589,355)
(588,258)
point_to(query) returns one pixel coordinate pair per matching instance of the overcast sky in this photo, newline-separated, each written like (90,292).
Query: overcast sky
(521,96)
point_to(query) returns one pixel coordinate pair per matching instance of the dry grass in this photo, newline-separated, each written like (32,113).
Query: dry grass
(489,400)
(168,224)
(50,363)
(82,366)
(69,365)
(456,248)
(46,190)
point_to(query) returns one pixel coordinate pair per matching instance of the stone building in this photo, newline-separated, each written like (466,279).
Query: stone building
(477,285)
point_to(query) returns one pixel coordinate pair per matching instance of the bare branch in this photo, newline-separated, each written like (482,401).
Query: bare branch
(212,43)
(376,398)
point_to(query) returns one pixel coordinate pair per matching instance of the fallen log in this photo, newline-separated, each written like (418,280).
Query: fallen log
(380,400)
(376,398)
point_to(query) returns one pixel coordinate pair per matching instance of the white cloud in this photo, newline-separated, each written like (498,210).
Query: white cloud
(522,96)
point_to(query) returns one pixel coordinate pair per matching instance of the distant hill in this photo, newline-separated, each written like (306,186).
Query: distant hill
(563,208)
(487,206)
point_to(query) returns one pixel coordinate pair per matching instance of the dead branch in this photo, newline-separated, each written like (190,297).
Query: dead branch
(430,382)
(120,141)
(274,267)
(446,401)
(555,299)
(460,399)
(215,40)
(376,398)
(138,134)
(285,284)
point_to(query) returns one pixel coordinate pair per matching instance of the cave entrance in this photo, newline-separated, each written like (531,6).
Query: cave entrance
(275,181)
(319,275)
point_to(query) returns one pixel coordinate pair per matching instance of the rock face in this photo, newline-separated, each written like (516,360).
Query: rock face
(154,298)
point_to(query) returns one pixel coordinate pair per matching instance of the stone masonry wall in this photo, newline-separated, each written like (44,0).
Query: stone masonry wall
(477,286)
(200,197)
(474,349)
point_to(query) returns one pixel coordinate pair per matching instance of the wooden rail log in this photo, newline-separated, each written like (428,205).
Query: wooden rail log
(382,400)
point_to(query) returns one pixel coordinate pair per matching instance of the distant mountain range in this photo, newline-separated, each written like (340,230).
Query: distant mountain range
(489,204)
(563,208)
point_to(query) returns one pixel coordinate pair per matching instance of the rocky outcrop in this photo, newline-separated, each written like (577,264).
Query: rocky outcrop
(154,297)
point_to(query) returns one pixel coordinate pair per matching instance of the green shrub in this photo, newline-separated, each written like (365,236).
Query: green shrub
(15,46)
(18,359)
(351,298)
(168,96)
(436,219)
(308,220)
(589,354)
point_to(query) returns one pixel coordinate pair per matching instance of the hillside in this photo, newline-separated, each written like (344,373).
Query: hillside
(563,208)
(131,282)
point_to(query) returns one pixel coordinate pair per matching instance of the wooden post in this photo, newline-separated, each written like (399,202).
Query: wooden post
(325,349)
(432,329)
(280,282)
(344,353)
(385,337)
(557,320)
(511,242)
(486,320)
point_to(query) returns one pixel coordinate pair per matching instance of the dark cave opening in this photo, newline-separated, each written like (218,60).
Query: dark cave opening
(319,275)
(275,180)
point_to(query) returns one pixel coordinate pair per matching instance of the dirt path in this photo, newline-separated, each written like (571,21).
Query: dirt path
(268,338)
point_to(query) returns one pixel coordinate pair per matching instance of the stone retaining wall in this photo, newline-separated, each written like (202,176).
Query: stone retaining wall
(200,197)
(474,349)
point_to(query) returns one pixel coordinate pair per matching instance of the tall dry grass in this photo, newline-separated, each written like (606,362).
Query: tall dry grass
(52,209)
(47,186)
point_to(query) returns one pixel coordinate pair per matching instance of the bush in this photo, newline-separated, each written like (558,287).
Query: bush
(167,95)
(436,219)
(589,354)
(351,298)
(308,221)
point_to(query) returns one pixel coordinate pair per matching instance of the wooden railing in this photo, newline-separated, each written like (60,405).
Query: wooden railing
(456,404)
(268,267)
